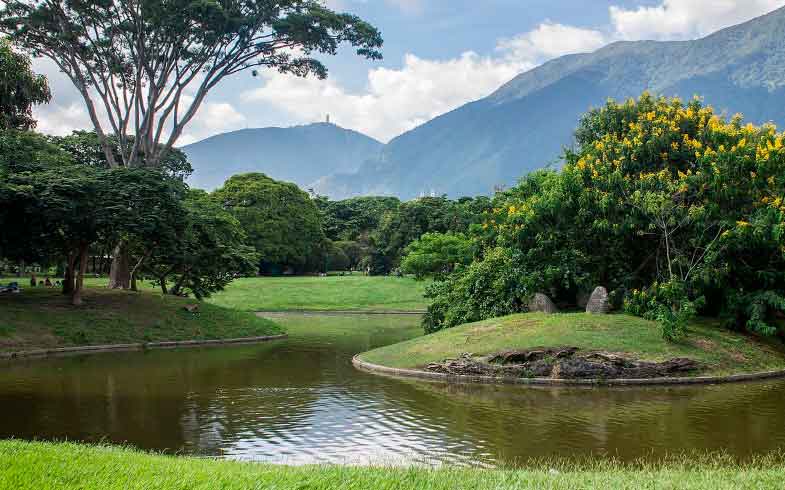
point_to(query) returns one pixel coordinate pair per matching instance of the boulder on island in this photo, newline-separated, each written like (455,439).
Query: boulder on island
(598,301)
(543,304)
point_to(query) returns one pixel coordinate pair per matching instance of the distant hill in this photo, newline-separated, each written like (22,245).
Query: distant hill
(526,123)
(300,154)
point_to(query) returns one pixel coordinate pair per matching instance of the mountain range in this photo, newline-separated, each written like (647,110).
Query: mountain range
(526,123)
(300,154)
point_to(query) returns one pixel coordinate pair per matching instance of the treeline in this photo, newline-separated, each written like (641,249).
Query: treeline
(62,206)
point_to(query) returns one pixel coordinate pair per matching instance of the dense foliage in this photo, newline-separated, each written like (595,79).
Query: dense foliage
(434,254)
(281,221)
(413,219)
(20,89)
(656,192)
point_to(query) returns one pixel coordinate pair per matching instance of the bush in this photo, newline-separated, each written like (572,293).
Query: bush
(488,288)
(667,303)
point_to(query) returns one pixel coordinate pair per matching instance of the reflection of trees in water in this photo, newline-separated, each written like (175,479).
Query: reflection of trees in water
(155,399)
(303,395)
(523,422)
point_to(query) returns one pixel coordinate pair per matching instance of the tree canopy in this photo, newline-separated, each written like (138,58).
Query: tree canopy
(146,66)
(281,221)
(20,89)
(671,207)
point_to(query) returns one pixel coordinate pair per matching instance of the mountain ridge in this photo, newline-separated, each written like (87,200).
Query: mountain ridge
(527,122)
(300,154)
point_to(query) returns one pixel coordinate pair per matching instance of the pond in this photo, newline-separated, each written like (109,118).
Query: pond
(300,401)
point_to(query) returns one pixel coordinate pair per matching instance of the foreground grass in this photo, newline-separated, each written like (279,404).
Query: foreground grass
(43,318)
(28,466)
(723,352)
(323,293)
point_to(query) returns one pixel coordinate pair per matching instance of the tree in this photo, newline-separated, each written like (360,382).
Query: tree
(336,259)
(280,220)
(414,218)
(673,208)
(436,254)
(20,89)
(208,254)
(352,219)
(146,66)
(355,252)
(86,149)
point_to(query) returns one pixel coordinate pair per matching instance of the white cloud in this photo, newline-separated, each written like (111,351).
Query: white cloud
(211,119)
(686,19)
(396,100)
(550,40)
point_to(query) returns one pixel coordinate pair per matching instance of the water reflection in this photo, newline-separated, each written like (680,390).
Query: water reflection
(301,401)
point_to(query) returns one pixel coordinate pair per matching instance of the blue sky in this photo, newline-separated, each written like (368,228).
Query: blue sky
(438,55)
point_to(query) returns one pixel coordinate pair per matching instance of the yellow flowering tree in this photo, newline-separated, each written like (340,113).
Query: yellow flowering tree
(657,195)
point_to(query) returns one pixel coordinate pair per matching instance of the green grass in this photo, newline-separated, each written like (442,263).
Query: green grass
(36,465)
(323,293)
(300,293)
(722,351)
(43,318)
(352,333)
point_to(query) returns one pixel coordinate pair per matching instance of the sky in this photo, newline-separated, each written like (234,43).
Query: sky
(438,55)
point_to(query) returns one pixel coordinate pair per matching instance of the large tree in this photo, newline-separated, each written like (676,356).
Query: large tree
(281,221)
(144,67)
(20,89)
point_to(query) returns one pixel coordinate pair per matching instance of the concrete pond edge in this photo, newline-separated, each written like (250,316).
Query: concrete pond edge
(468,379)
(87,349)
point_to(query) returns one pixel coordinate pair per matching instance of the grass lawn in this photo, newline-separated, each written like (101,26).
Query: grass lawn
(352,333)
(722,351)
(36,465)
(43,318)
(323,293)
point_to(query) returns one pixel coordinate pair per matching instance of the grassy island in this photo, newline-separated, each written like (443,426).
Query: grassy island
(34,465)
(40,318)
(720,351)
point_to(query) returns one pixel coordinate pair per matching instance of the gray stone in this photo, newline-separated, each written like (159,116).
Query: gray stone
(598,301)
(543,304)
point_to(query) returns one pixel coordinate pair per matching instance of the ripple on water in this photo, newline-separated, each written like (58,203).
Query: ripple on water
(299,402)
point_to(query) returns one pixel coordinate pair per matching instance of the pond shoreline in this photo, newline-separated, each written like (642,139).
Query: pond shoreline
(55,351)
(468,379)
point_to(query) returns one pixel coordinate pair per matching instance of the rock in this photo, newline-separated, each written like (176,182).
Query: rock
(598,301)
(543,304)
(531,355)
(191,308)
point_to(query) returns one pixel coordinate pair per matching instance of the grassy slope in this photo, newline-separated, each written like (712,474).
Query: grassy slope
(323,293)
(41,317)
(724,352)
(28,466)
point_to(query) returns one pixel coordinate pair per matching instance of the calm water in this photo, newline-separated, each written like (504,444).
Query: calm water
(301,401)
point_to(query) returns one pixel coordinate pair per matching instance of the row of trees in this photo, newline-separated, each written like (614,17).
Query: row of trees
(673,208)
(144,68)
(57,208)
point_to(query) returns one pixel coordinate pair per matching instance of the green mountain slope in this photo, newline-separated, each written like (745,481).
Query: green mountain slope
(526,123)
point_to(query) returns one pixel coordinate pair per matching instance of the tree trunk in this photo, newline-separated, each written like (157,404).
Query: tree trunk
(68,277)
(120,273)
(163,285)
(135,269)
(76,296)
